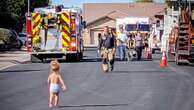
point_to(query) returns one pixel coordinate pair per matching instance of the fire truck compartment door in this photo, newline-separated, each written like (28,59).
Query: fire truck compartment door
(52,40)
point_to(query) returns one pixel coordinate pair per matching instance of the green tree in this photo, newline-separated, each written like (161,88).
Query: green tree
(171,3)
(20,6)
(13,22)
(15,6)
(39,3)
(2,5)
(17,9)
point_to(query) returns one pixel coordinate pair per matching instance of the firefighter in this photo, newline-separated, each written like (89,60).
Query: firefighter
(108,49)
(44,24)
(58,22)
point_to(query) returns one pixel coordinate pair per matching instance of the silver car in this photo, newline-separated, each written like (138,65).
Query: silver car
(23,38)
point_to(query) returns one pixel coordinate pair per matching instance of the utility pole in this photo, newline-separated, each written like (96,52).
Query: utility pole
(50,2)
(28,7)
(29,29)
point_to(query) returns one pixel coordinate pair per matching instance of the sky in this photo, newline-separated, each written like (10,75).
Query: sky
(80,2)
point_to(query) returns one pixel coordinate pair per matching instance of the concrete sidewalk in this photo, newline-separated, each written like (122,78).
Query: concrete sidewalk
(11,58)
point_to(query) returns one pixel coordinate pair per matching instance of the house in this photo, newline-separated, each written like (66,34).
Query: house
(98,15)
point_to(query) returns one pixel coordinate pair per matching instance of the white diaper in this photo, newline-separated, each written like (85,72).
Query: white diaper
(54,88)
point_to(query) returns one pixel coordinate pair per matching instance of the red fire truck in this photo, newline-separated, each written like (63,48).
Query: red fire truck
(55,32)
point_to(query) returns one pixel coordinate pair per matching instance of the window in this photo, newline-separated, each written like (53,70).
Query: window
(131,27)
(144,27)
(140,27)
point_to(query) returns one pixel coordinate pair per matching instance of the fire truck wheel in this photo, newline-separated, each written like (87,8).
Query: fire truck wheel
(72,57)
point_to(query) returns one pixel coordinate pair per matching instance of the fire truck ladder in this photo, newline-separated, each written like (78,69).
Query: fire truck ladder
(182,47)
(185,44)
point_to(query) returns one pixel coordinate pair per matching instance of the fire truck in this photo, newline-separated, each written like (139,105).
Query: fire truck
(181,37)
(55,32)
(132,24)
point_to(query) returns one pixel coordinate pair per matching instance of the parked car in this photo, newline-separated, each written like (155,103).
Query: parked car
(20,43)
(22,37)
(9,39)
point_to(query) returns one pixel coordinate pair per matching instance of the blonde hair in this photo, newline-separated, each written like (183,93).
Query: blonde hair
(55,66)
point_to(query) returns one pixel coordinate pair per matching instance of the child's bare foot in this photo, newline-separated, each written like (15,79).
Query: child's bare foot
(56,105)
(50,105)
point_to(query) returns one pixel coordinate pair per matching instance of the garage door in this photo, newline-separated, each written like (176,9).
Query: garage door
(94,37)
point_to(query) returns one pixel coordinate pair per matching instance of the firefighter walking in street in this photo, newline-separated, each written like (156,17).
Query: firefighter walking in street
(108,49)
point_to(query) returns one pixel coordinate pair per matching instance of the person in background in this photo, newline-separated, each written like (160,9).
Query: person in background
(139,45)
(58,22)
(130,47)
(44,25)
(99,42)
(146,41)
(122,39)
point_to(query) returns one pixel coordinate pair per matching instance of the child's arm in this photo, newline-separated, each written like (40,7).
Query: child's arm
(48,80)
(62,83)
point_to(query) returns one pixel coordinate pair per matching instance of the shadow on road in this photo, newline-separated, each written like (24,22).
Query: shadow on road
(142,71)
(90,49)
(86,59)
(94,105)
(12,51)
(91,60)
(3,56)
(12,71)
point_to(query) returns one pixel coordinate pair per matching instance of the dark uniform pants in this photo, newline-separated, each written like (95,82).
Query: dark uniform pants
(139,52)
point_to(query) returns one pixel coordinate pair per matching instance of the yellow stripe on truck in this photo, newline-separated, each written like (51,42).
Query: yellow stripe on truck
(36,24)
(37,18)
(66,36)
(65,17)
(66,28)
(34,30)
(65,44)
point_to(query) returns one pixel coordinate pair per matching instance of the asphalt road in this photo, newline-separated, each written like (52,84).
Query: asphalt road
(137,85)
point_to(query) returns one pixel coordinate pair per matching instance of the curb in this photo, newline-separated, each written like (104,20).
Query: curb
(5,67)
(7,64)
(13,63)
